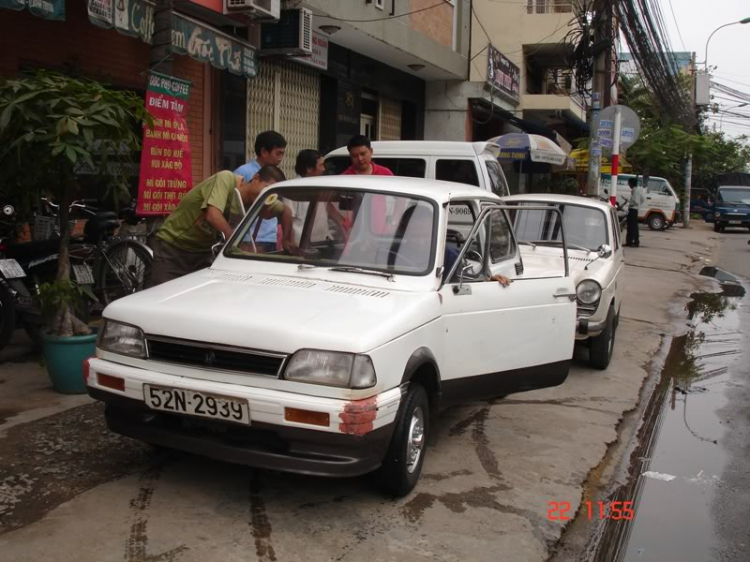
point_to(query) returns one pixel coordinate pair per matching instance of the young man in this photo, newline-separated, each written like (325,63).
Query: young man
(270,148)
(183,243)
(632,238)
(309,164)
(360,152)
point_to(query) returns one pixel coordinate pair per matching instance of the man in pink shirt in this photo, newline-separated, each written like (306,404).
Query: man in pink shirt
(360,152)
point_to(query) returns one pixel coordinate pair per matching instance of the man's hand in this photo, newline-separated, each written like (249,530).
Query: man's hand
(504,281)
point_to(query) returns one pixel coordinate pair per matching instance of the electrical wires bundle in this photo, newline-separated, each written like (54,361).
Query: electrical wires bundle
(642,25)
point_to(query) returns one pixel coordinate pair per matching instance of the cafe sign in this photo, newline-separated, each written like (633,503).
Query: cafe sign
(502,74)
(47,9)
(189,37)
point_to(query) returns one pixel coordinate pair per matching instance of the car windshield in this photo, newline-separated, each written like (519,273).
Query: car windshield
(735,195)
(338,228)
(585,227)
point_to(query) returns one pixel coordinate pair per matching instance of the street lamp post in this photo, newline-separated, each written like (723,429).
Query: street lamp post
(721,119)
(741,22)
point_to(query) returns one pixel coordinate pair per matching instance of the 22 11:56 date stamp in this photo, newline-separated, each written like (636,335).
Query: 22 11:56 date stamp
(614,511)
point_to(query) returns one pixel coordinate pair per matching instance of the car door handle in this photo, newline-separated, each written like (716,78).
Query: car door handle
(571,296)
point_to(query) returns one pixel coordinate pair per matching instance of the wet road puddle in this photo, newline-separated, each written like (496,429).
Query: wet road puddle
(675,472)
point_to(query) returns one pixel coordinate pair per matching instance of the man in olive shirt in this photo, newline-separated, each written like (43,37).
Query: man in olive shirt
(183,243)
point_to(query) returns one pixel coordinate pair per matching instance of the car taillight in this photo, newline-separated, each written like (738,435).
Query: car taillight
(86,371)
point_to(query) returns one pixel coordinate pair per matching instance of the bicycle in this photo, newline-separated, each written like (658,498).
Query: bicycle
(116,266)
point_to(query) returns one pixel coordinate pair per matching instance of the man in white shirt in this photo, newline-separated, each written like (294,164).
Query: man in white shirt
(632,238)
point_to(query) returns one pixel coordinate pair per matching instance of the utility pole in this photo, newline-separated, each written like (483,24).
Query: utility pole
(595,151)
(689,163)
(160,58)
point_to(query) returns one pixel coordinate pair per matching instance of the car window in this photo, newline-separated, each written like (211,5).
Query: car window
(615,229)
(337,165)
(460,222)
(478,245)
(502,246)
(460,171)
(406,167)
(658,187)
(497,179)
(585,227)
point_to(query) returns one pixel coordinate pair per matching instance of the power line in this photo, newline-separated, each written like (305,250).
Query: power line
(674,17)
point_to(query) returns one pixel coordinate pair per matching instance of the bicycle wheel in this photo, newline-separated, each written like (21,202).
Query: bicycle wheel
(125,269)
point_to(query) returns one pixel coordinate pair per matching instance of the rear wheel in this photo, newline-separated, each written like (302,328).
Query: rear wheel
(125,269)
(7,316)
(403,462)
(603,345)
(656,221)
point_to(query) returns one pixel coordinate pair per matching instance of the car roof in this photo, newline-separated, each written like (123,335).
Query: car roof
(734,187)
(424,148)
(554,198)
(440,191)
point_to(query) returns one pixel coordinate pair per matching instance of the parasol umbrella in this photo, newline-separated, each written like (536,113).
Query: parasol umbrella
(522,146)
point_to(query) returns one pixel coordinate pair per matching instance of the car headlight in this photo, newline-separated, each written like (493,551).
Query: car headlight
(717,215)
(589,291)
(345,370)
(123,339)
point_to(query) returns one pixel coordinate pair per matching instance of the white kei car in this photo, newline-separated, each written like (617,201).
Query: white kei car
(333,358)
(595,253)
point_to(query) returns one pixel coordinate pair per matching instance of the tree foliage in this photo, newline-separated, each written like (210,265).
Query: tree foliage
(52,127)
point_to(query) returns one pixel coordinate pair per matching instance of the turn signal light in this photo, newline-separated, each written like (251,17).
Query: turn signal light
(86,371)
(307,416)
(115,383)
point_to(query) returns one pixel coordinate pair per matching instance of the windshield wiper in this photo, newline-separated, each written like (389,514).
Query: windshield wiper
(352,269)
(568,244)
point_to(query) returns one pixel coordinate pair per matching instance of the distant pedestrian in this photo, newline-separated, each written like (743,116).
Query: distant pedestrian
(632,238)
(360,152)
(309,164)
(270,148)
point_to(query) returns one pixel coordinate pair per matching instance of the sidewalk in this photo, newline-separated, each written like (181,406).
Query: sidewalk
(485,490)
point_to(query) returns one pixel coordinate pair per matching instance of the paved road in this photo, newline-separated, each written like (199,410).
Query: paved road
(70,491)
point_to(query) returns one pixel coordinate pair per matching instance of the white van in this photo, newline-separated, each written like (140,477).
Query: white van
(472,163)
(659,209)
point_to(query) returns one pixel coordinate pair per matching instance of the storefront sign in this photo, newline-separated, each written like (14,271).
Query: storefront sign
(319,57)
(503,74)
(189,37)
(166,172)
(47,9)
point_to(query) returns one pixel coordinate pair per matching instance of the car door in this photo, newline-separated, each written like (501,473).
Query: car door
(499,340)
(658,196)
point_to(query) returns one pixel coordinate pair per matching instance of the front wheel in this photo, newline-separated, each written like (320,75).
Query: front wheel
(403,462)
(656,222)
(602,346)
(126,267)
(717,227)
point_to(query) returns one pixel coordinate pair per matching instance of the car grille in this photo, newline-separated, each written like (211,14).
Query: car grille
(586,310)
(208,356)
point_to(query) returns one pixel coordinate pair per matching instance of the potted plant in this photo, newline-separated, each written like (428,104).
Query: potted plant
(53,128)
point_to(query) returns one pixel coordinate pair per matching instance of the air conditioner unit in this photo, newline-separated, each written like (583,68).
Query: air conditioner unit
(290,36)
(257,9)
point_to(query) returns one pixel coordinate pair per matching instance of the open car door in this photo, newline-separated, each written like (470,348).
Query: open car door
(500,340)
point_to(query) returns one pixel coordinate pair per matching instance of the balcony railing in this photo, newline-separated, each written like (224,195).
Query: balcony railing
(549,6)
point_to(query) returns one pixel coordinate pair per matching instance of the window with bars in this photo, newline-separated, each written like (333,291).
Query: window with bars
(549,6)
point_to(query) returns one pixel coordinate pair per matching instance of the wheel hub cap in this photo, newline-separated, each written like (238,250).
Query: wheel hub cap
(415,444)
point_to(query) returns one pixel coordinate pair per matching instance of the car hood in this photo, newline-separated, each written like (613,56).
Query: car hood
(725,206)
(275,313)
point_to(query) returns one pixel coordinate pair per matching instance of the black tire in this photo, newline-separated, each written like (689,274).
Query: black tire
(717,227)
(7,316)
(125,270)
(400,473)
(602,346)
(656,222)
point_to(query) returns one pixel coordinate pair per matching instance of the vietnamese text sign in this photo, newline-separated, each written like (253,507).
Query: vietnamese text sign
(189,37)
(319,57)
(47,9)
(166,172)
(503,74)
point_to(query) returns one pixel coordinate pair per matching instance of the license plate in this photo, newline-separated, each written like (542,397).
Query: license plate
(182,401)
(735,222)
(83,274)
(11,269)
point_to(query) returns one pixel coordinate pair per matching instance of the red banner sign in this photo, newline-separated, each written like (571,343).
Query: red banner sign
(166,173)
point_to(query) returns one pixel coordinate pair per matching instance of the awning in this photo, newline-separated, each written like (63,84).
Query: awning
(581,157)
(189,37)
(47,9)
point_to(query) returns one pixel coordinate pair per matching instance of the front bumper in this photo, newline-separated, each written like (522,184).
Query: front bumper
(589,328)
(355,442)
(725,220)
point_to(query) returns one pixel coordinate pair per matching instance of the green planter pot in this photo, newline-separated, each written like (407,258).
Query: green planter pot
(64,358)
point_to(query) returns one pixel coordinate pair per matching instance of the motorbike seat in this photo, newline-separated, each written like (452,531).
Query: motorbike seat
(104,223)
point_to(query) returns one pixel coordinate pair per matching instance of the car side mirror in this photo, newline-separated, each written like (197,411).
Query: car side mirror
(604,251)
